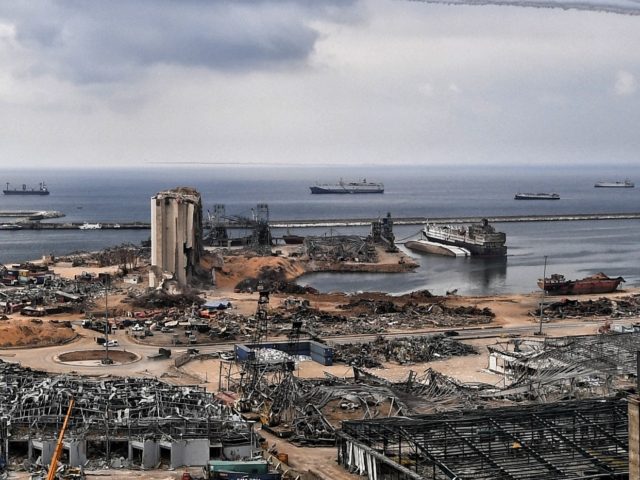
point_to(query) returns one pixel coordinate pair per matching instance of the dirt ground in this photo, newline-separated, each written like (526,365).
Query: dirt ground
(33,332)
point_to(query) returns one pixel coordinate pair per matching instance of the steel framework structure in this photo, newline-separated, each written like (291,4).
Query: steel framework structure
(585,439)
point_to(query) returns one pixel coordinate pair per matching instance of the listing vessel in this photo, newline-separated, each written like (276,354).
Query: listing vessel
(479,239)
(25,190)
(349,187)
(625,184)
(537,196)
(434,248)
(598,283)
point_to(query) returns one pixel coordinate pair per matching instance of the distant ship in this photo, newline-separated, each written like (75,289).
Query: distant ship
(479,239)
(625,184)
(598,283)
(90,226)
(41,190)
(10,226)
(350,187)
(537,196)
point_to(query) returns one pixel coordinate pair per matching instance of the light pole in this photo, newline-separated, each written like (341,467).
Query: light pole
(106,360)
(544,291)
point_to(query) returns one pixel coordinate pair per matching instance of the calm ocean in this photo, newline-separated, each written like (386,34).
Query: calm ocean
(572,248)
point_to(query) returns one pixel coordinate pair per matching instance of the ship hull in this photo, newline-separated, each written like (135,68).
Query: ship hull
(529,196)
(25,192)
(581,287)
(429,247)
(293,239)
(626,184)
(344,190)
(476,250)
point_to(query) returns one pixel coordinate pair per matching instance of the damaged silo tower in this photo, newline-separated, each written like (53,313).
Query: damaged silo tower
(176,234)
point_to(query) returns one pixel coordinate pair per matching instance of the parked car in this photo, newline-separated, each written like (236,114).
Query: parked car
(112,343)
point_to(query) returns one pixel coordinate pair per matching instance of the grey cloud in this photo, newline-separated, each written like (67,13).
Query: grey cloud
(623,7)
(98,41)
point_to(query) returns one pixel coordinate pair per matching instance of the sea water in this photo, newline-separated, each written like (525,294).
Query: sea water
(574,249)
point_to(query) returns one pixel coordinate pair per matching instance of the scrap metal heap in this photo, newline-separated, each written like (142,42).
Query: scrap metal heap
(570,440)
(34,403)
(341,248)
(565,367)
(628,306)
(400,350)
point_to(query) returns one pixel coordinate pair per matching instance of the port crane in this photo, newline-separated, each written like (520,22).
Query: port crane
(53,466)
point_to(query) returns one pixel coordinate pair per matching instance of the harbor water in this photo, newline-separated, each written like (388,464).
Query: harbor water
(574,249)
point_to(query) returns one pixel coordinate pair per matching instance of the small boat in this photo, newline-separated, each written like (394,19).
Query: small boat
(293,239)
(41,190)
(10,226)
(626,184)
(537,196)
(90,226)
(349,187)
(598,283)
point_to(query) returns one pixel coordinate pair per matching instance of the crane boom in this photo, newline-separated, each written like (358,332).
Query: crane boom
(58,451)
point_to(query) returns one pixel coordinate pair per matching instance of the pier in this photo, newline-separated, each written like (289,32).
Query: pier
(348,222)
(354,222)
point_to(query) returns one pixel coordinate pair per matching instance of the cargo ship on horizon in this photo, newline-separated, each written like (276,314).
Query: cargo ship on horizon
(626,184)
(479,239)
(537,196)
(348,187)
(41,190)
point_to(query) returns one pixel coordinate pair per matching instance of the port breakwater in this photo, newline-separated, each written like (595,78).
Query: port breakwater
(454,220)
(352,222)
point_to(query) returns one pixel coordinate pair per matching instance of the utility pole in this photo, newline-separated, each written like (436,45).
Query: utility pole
(544,291)
(106,360)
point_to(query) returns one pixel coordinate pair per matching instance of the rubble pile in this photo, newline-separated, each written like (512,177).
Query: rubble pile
(162,299)
(341,248)
(412,319)
(401,350)
(602,307)
(35,404)
(365,305)
(273,280)
(270,355)
(126,255)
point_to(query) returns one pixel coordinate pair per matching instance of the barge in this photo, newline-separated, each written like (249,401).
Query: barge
(598,283)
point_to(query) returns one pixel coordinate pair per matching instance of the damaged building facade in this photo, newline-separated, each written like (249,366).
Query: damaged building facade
(176,235)
(117,421)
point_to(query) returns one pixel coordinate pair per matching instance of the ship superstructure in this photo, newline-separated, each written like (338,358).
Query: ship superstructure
(25,190)
(480,239)
(343,187)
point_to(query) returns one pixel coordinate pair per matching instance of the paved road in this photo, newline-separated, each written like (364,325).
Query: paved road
(45,358)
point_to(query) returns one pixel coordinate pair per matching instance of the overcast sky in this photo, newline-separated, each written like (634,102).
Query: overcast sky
(122,83)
